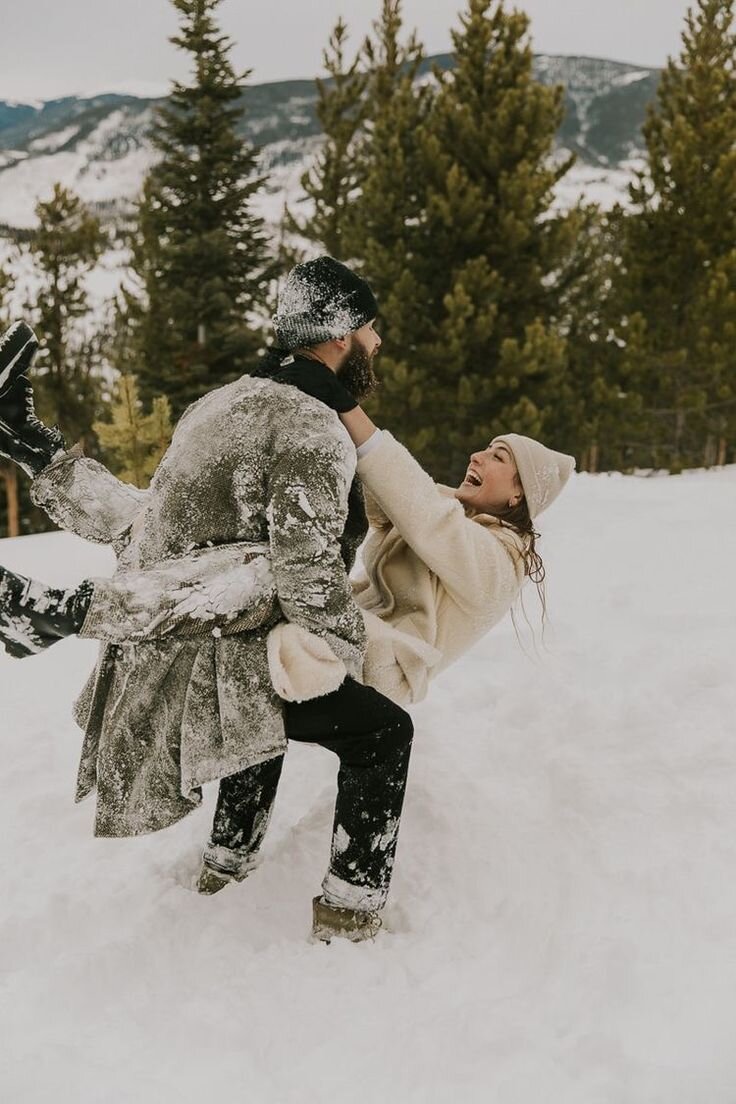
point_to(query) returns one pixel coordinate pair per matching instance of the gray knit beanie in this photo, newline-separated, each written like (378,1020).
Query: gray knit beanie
(543,472)
(321,300)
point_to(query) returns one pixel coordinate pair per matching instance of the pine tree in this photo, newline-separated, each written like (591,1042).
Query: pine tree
(595,416)
(331,181)
(494,354)
(678,279)
(200,251)
(64,247)
(136,440)
(383,230)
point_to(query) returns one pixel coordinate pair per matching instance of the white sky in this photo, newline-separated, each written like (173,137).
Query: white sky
(52,48)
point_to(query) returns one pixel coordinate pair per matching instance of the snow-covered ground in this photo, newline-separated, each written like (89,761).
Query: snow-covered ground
(562,925)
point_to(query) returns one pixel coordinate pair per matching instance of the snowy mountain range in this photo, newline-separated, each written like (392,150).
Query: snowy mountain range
(99,146)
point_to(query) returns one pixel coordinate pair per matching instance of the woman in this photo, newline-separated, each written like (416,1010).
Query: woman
(441,566)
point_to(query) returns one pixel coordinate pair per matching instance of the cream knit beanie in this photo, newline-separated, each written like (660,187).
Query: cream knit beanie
(543,472)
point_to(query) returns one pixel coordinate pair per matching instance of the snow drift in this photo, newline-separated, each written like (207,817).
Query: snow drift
(562,925)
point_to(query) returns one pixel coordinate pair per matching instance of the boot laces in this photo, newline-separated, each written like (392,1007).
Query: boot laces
(32,420)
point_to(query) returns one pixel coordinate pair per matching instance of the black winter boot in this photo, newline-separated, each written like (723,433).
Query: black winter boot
(34,616)
(18,346)
(23,437)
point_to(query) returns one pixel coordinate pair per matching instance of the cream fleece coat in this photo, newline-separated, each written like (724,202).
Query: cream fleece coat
(434,582)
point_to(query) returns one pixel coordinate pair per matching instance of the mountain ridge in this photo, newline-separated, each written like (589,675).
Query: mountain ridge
(99,145)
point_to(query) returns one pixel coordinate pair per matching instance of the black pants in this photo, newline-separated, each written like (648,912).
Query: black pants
(372,739)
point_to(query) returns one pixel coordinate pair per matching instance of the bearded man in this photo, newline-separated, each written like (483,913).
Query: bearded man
(261,465)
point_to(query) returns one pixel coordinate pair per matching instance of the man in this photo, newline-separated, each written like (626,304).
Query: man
(263,465)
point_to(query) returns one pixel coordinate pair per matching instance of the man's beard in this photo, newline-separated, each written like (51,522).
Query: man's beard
(356,373)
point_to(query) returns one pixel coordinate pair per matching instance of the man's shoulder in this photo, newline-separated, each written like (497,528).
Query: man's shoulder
(294,417)
(258,393)
(274,416)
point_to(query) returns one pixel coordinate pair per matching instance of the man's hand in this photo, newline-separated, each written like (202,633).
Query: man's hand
(316,379)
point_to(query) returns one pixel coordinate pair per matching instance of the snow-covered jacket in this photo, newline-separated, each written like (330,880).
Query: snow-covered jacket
(254,466)
(434,581)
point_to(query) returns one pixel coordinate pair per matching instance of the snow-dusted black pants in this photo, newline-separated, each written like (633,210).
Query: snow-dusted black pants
(372,738)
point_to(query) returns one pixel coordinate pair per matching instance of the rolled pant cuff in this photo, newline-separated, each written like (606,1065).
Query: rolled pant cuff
(346,895)
(226,860)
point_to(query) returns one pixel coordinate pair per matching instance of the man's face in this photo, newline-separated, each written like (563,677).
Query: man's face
(356,371)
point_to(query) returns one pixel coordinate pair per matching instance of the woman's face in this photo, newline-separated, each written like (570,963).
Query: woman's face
(491,482)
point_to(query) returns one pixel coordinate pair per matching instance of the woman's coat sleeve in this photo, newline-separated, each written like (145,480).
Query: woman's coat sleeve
(469,559)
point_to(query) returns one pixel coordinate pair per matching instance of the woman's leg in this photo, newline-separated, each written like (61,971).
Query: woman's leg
(372,738)
(34,616)
(24,439)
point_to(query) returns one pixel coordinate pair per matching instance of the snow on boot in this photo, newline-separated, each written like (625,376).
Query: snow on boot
(33,616)
(330,921)
(223,865)
(23,436)
(18,346)
(212,881)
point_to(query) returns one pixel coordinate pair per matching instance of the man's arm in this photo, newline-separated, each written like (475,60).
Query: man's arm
(308,502)
(83,497)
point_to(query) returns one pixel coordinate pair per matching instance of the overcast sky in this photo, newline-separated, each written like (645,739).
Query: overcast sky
(52,48)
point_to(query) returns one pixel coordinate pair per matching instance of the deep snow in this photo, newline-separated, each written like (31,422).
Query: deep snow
(562,925)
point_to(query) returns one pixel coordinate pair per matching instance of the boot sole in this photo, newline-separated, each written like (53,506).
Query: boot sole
(17,348)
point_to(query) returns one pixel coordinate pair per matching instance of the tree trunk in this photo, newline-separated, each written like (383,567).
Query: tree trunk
(722,452)
(593,458)
(10,477)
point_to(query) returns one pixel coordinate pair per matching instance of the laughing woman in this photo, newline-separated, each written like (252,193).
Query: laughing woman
(441,566)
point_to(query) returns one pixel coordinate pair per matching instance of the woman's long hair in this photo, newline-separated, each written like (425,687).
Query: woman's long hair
(519,519)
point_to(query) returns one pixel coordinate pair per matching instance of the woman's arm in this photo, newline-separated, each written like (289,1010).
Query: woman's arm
(359,426)
(365,436)
(469,559)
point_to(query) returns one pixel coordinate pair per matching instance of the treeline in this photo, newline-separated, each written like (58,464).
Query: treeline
(611,335)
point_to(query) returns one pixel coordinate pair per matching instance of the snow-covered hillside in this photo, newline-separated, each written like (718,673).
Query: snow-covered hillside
(562,926)
(100,146)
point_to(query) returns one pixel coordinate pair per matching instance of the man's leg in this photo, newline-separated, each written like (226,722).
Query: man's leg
(372,738)
(244,806)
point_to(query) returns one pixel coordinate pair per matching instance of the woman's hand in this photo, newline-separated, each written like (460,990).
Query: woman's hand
(359,425)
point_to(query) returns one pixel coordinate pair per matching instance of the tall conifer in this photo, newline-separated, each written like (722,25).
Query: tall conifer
(200,251)
(331,180)
(384,231)
(65,245)
(496,357)
(678,281)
